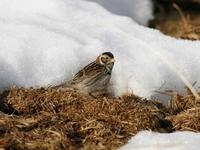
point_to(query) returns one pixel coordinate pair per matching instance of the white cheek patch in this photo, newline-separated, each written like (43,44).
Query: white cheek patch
(101,62)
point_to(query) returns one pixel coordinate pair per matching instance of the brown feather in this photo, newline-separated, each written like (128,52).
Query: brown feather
(93,77)
(88,71)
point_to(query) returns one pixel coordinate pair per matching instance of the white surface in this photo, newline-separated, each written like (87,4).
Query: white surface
(139,10)
(44,42)
(147,140)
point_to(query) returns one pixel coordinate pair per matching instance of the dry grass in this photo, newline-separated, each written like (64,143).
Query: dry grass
(180,24)
(185,112)
(176,22)
(190,29)
(187,120)
(54,119)
(57,119)
(180,103)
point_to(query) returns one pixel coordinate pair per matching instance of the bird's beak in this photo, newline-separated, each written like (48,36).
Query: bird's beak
(112,60)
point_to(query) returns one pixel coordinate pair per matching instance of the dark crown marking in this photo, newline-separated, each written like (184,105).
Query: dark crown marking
(109,54)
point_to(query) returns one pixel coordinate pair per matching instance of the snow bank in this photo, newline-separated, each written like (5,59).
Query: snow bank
(139,10)
(147,140)
(46,41)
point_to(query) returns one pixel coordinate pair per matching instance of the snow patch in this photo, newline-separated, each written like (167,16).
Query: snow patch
(147,140)
(139,10)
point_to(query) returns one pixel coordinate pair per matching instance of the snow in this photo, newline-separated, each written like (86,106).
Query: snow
(45,42)
(147,140)
(139,10)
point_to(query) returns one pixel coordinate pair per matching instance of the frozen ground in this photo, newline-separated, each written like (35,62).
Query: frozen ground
(44,42)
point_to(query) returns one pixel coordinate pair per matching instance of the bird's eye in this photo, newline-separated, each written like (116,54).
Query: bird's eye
(103,59)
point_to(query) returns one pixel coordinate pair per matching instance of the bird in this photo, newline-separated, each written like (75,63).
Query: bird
(94,77)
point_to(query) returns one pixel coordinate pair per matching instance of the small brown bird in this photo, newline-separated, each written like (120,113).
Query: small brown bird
(95,76)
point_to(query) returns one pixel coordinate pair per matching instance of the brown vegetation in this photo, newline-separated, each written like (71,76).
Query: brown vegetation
(65,119)
(178,21)
(58,119)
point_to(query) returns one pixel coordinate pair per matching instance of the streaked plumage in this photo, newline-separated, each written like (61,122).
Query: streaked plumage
(95,76)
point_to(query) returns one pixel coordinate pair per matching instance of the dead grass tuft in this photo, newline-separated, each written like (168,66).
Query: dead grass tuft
(185,112)
(53,119)
(187,120)
(58,119)
(179,23)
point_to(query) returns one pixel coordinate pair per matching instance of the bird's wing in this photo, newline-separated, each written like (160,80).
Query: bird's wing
(90,70)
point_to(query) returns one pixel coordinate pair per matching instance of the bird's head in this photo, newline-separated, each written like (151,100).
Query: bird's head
(106,59)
